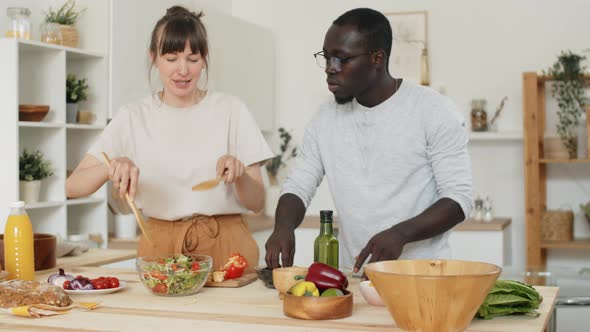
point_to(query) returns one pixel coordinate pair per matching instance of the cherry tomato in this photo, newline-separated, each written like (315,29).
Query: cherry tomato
(195,266)
(67,284)
(114,283)
(160,288)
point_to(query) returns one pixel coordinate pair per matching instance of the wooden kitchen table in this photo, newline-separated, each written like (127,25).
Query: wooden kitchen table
(250,308)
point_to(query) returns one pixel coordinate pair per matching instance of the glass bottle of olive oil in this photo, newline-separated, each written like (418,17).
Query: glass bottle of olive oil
(326,244)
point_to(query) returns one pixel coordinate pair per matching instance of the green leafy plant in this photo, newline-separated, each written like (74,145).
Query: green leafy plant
(286,152)
(65,14)
(33,166)
(568,90)
(76,89)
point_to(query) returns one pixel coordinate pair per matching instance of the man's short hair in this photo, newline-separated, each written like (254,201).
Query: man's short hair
(373,24)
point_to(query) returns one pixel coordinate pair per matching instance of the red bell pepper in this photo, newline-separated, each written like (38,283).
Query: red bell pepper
(235,266)
(324,276)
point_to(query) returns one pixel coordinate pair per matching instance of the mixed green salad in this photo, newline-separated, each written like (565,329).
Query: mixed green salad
(177,275)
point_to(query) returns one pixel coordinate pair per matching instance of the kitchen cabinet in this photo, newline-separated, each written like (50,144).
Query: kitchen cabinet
(35,73)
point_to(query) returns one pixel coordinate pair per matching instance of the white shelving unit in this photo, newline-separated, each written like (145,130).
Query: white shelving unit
(495,136)
(35,73)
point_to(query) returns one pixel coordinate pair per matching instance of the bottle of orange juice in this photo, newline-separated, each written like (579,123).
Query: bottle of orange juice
(18,244)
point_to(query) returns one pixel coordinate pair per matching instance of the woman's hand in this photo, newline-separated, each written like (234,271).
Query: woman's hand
(124,174)
(229,168)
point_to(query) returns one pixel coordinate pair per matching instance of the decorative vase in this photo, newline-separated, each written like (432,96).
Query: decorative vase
(29,191)
(71,112)
(69,35)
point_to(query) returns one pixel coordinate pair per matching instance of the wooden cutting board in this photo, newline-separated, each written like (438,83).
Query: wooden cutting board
(244,280)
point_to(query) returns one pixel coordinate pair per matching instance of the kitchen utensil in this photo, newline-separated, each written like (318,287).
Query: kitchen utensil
(432,295)
(316,308)
(210,184)
(44,251)
(370,293)
(245,279)
(285,277)
(265,275)
(138,216)
(33,113)
(161,276)
(206,185)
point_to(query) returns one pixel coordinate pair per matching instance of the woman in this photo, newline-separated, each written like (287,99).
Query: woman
(163,144)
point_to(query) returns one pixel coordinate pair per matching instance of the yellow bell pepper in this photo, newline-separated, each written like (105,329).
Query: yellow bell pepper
(304,288)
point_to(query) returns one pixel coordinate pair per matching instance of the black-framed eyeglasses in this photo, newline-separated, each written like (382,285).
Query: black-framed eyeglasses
(324,60)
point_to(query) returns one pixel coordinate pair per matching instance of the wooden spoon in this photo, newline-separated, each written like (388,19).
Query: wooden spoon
(210,184)
(138,216)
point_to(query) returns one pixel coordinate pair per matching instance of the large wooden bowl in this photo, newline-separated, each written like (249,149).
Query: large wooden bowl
(432,295)
(317,308)
(44,246)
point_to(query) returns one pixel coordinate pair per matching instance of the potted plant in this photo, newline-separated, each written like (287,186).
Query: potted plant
(568,90)
(279,161)
(76,91)
(66,16)
(274,166)
(32,169)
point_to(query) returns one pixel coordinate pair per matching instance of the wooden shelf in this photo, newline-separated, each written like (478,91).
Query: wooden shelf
(575,244)
(564,161)
(541,79)
(497,224)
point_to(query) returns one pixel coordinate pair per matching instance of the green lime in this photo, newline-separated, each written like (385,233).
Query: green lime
(332,292)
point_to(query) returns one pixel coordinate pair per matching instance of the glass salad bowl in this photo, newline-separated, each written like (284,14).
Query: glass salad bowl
(174,275)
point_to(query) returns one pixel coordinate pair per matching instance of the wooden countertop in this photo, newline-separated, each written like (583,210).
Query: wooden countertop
(250,308)
(96,257)
(265,222)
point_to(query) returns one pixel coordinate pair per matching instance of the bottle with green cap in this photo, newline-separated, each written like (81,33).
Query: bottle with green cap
(326,244)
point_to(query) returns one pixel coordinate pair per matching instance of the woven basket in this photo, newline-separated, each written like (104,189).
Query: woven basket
(70,35)
(557,225)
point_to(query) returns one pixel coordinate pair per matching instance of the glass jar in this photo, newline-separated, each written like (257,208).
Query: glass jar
(479,117)
(51,33)
(19,23)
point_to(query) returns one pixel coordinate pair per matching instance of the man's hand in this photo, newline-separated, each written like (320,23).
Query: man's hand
(383,246)
(281,243)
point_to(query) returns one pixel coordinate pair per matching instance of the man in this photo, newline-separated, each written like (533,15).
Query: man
(395,155)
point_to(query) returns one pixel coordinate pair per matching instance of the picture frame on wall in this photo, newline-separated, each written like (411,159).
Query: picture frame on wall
(409,51)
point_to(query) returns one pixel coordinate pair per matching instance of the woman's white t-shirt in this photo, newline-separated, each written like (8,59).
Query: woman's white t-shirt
(176,148)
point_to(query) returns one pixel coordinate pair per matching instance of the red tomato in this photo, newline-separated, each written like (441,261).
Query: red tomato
(195,266)
(67,284)
(160,288)
(114,283)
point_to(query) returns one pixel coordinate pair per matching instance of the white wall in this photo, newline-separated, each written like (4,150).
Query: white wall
(478,49)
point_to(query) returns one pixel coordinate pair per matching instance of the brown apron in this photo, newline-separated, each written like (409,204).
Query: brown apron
(217,236)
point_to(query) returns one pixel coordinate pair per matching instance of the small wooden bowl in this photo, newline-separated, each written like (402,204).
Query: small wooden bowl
(33,113)
(318,308)
(283,278)
(44,247)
